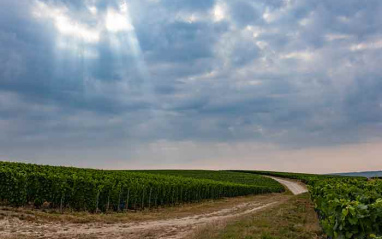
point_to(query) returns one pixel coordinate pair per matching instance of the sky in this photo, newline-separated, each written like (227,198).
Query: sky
(285,85)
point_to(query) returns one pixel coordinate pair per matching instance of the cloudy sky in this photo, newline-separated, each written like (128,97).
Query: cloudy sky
(289,85)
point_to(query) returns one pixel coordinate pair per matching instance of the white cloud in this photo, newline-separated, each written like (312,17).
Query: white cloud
(93,10)
(270,16)
(219,12)
(333,37)
(369,45)
(118,21)
(302,55)
(65,25)
(261,44)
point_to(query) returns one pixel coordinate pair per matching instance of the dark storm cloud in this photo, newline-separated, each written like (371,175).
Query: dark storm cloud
(288,72)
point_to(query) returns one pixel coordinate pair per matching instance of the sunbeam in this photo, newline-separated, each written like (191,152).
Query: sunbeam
(120,28)
(80,38)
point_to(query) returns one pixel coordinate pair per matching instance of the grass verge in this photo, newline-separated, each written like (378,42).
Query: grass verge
(294,219)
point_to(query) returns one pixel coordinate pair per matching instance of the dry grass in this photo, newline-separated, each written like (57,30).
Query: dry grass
(294,219)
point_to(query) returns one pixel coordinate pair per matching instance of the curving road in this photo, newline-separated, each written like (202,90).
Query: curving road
(294,187)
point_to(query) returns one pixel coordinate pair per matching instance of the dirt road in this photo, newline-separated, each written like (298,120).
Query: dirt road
(12,227)
(294,187)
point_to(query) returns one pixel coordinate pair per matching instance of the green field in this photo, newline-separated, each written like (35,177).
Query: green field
(223,176)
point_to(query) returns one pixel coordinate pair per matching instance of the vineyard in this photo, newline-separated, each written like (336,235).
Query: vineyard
(105,190)
(348,207)
(225,176)
(303,177)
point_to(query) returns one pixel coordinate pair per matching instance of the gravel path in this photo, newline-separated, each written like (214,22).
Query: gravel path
(295,187)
